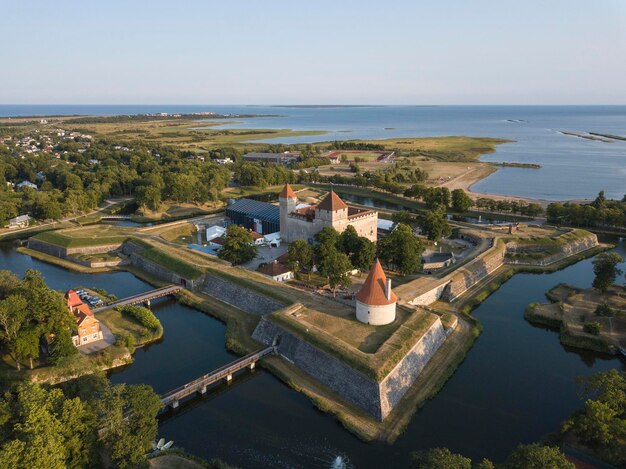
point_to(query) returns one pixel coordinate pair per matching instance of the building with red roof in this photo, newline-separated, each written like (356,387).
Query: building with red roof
(297,222)
(87,326)
(376,301)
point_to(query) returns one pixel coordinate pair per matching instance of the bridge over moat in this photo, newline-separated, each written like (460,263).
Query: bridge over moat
(144,297)
(226,372)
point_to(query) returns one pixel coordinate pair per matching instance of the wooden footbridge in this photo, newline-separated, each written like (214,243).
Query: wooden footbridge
(115,217)
(226,372)
(141,298)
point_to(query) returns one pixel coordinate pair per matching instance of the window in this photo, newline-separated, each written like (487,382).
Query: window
(84,339)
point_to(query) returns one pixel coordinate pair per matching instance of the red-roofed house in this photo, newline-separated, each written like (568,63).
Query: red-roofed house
(87,326)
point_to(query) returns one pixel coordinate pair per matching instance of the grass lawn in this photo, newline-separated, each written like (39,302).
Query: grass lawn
(122,325)
(176,265)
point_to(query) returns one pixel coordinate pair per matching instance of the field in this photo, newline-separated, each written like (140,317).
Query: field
(186,134)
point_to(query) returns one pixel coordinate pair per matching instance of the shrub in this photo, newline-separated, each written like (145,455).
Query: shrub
(604,309)
(145,317)
(592,328)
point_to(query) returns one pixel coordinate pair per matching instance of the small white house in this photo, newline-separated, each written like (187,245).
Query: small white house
(213,232)
(272,239)
(278,271)
(19,222)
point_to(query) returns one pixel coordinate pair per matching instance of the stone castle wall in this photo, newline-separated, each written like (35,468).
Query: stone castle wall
(163,273)
(569,249)
(240,297)
(377,399)
(473,272)
(47,248)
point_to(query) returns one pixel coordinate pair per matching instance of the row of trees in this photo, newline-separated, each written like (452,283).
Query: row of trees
(31,312)
(600,213)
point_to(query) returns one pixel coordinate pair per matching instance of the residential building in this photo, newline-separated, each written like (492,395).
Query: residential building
(19,222)
(87,326)
(27,184)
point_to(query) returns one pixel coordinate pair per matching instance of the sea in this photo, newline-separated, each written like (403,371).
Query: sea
(572,167)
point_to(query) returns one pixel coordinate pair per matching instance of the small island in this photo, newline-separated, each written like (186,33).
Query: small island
(587,318)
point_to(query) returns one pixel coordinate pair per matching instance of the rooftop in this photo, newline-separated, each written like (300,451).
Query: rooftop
(332,203)
(373,290)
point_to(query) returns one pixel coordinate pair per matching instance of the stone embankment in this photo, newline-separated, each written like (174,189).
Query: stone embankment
(541,252)
(243,298)
(66,253)
(376,398)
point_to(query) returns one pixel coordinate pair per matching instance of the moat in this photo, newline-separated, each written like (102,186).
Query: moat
(516,385)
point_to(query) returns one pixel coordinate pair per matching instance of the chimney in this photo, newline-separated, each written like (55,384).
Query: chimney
(388,289)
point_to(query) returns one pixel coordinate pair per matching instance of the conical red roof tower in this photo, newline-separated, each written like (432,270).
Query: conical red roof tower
(373,292)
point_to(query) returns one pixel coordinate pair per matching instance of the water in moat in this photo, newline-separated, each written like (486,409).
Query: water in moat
(516,385)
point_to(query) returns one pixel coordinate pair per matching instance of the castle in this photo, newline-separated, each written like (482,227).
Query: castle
(305,221)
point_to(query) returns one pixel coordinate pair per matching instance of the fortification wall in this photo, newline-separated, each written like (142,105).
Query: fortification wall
(473,272)
(163,273)
(93,249)
(430,296)
(47,248)
(377,399)
(568,249)
(238,296)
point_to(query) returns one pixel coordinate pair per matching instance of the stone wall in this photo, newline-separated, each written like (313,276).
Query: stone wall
(470,274)
(163,273)
(430,296)
(243,298)
(47,248)
(568,249)
(377,399)
(63,253)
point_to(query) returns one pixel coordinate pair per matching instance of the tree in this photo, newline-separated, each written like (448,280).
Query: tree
(338,270)
(300,255)
(435,196)
(238,246)
(27,344)
(439,458)
(326,242)
(460,201)
(13,318)
(404,217)
(364,254)
(401,250)
(536,456)
(129,422)
(435,224)
(8,282)
(605,268)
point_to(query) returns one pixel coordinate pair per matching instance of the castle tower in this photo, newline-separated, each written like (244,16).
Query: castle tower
(376,302)
(332,211)
(288,201)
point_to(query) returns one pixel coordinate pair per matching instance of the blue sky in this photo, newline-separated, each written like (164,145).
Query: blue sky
(314,52)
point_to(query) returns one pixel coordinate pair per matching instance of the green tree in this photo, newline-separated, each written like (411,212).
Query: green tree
(460,201)
(14,316)
(338,270)
(605,268)
(128,422)
(27,344)
(8,282)
(300,255)
(439,458)
(238,246)
(435,224)
(536,456)
(326,242)
(404,217)
(364,254)
(401,250)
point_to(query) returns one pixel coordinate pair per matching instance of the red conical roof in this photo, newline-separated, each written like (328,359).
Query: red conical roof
(287,192)
(373,290)
(332,202)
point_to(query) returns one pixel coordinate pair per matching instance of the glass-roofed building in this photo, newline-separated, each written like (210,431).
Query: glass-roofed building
(254,215)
